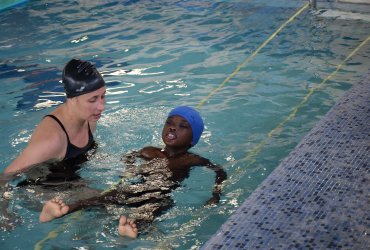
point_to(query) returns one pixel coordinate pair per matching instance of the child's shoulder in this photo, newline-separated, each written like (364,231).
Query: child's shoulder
(195,159)
(150,152)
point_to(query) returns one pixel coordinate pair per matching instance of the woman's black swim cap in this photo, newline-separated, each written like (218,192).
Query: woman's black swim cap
(81,77)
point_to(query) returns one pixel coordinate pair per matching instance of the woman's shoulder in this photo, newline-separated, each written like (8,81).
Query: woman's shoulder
(49,133)
(49,128)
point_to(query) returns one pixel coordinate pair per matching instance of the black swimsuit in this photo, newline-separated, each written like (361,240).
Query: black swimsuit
(72,150)
(60,173)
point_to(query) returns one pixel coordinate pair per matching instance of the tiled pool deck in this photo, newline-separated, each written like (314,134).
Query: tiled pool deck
(319,196)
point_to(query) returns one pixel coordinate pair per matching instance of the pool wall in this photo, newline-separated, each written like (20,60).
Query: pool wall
(319,196)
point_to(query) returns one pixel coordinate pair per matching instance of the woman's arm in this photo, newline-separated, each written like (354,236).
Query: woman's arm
(46,143)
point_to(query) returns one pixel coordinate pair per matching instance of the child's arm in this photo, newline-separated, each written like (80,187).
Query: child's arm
(130,158)
(220,177)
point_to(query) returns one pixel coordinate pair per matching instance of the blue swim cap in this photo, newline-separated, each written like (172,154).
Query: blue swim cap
(193,118)
(81,77)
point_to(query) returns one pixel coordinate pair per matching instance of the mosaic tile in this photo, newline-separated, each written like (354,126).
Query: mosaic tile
(319,196)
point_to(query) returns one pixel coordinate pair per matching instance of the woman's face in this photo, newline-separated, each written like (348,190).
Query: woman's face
(177,132)
(91,105)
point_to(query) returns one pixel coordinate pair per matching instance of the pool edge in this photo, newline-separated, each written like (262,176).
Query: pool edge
(317,198)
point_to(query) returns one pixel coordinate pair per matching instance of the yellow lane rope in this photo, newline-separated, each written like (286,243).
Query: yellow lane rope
(251,156)
(253,55)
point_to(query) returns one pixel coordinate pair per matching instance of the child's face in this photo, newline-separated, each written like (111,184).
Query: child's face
(177,132)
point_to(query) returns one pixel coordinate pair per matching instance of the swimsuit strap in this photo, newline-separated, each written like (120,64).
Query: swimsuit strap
(61,125)
(73,151)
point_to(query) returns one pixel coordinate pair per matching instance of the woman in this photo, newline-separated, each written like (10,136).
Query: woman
(67,132)
(62,138)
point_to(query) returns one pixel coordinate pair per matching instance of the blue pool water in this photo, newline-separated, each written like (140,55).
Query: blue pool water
(155,56)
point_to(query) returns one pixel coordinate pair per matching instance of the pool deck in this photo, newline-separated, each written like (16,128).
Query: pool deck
(319,196)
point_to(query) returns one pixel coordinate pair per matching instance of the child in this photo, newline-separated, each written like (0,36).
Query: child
(146,188)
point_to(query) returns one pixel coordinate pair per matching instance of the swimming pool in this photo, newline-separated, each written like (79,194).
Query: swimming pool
(154,57)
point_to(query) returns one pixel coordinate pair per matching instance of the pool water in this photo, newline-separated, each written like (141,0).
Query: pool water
(155,56)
